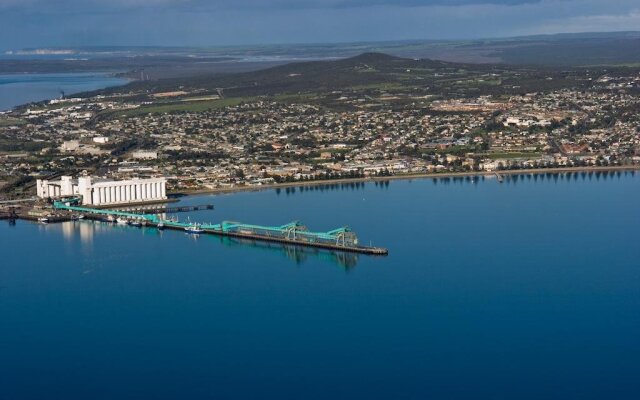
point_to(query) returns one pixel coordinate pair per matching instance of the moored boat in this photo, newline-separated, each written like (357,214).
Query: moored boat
(43,220)
(194,228)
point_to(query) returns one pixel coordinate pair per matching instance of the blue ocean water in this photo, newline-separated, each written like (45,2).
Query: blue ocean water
(17,89)
(529,289)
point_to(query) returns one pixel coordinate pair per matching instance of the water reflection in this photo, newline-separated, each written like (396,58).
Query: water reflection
(84,230)
(567,176)
(506,176)
(511,177)
(298,254)
(87,230)
(327,187)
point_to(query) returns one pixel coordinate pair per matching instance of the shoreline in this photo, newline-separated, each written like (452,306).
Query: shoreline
(48,86)
(238,189)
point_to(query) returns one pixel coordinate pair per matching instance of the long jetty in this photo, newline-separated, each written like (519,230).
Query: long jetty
(164,209)
(294,233)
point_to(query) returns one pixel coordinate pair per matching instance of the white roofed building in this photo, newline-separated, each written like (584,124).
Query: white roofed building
(95,191)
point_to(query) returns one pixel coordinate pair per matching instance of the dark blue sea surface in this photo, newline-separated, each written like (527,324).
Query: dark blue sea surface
(529,289)
(17,89)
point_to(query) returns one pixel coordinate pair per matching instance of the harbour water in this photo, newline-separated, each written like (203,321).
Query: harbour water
(17,89)
(524,289)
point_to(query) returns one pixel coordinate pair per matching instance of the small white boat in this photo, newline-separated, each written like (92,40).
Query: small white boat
(194,228)
(135,223)
(160,225)
(122,221)
(43,220)
(111,218)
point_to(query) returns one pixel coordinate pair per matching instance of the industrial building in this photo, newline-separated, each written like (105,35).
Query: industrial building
(144,155)
(100,192)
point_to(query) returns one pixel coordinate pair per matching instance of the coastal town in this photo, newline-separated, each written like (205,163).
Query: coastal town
(219,143)
(320,199)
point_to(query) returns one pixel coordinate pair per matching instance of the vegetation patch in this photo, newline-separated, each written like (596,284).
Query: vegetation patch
(196,106)
(4,122)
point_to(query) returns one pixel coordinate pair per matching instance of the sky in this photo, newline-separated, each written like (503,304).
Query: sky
(60,23)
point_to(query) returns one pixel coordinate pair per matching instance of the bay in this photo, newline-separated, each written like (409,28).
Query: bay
(525,289)
(18,89)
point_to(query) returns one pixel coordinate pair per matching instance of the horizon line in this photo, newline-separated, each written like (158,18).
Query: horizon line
(212,46)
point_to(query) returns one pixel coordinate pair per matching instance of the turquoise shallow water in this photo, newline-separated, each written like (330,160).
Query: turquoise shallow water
(526,289)
(17,89)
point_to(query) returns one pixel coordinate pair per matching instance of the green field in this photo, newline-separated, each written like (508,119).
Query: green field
(194,106)
(11,122)
(379,86)
(296,98)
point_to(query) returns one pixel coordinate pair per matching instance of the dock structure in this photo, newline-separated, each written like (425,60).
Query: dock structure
(29,200)
(342,239)
(8,215)
(165,209)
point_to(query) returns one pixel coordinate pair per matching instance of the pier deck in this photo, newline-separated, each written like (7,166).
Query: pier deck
(168,210)
(294,233)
